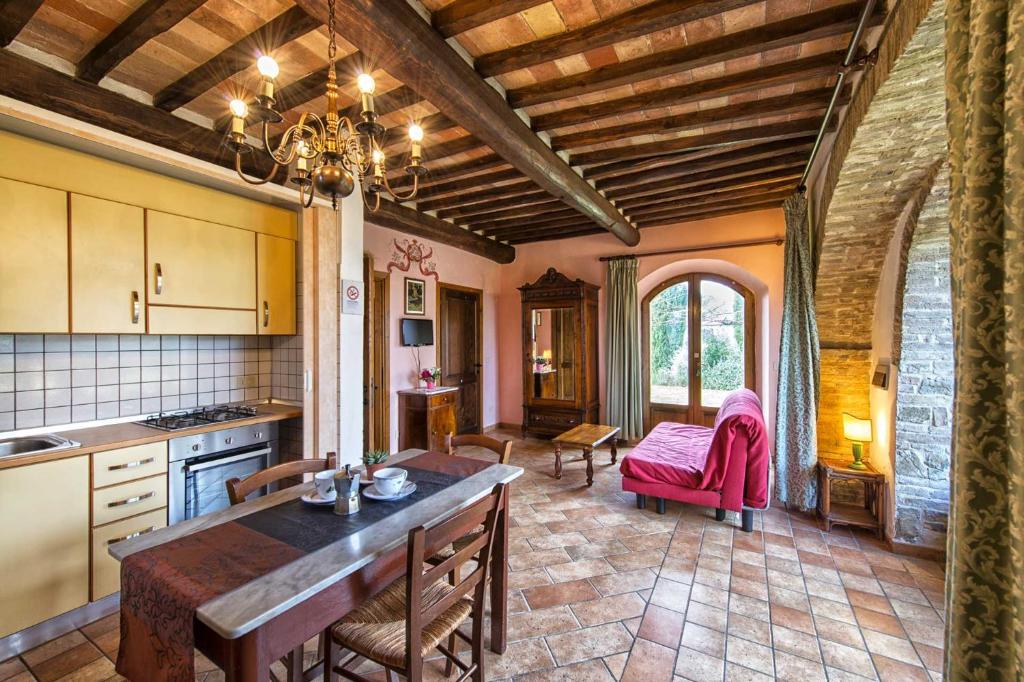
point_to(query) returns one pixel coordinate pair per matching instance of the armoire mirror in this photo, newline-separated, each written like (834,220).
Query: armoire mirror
(554,341)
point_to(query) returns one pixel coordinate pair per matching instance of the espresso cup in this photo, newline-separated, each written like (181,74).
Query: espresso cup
(389,481)
(324,482)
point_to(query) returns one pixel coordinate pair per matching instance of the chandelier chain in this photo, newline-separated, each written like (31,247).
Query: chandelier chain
(332,46)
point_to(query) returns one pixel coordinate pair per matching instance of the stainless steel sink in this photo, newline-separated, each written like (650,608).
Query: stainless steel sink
(34,445)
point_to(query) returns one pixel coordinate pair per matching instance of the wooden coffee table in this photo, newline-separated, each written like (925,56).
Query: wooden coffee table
(588,437)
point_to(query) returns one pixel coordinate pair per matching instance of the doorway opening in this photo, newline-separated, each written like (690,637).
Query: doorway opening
(460,351)
(376,366)
(698,345)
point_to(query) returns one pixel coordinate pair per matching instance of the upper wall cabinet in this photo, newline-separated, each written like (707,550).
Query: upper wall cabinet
(108,267)
(33,258)
(275,284)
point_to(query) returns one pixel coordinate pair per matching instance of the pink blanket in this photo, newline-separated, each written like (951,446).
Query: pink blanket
(698,458)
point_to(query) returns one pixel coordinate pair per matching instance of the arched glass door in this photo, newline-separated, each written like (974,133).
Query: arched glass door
(698,346)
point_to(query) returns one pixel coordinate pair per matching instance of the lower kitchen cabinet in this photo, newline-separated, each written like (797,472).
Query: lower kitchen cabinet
(44,547)
(426,417)
(106,570)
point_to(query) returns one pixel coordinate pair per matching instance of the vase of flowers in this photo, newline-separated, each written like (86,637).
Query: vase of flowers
(431,376)
(374,460)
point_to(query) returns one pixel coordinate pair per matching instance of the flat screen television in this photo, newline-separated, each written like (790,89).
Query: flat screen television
(417,332)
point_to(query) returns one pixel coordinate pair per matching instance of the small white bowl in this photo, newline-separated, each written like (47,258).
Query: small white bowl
(389,481)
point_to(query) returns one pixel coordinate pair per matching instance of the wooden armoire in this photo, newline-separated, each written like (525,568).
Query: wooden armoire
(560,387)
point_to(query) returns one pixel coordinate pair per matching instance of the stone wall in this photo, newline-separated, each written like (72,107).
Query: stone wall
(924,399)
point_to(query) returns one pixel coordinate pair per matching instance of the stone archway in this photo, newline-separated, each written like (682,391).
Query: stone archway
(924,398)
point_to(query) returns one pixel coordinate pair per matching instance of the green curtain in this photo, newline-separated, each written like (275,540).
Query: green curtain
(985,552)
(795,424)
(624,394)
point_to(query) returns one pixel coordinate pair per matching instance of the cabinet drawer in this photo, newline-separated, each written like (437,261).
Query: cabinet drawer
(106,573)
(128,499)
(128,464)
(446,398)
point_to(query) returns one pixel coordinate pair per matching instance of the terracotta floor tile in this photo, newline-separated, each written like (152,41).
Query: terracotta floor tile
(826,590)
(624,581)
(580,645)
(577,570)
(53,648)
(633,625)
(891,647)
(881,622)
(890,670)
(594,550)
(671,595)
(712,596)
(609,609)
(796,643)
(645,559)
(649,662)
(519,658)
(790,668)
(588,671)
(708,616)
(869,600)
(748,606)
(832,609)
(850,659)
(662,626)
(529,578)
(838,631)
(749,655)
(931,656)
(749,588)
(538,559)
(639,543)
(706,640)
(555,540)
(791,599)
(66,662)
(616,663)
(792,618)
(11,667)
(748,572)
(699,667)
(680,570)
(541,622)
(557,595)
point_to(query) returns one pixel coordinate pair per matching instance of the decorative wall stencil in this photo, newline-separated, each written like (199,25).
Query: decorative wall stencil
(411,251)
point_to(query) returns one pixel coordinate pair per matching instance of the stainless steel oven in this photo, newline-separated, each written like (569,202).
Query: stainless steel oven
(200,466)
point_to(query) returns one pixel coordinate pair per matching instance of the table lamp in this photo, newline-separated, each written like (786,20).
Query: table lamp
(547,356)
(859,431)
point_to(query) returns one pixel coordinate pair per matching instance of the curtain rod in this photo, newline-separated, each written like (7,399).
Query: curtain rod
(778,241)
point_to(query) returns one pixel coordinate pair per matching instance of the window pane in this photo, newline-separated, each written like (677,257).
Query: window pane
(669,351)
(722,363)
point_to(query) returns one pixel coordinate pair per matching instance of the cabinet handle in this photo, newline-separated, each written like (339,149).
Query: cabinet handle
(131,535)
(266,314)
(136,308)
(159,288)
(130,465)
(132,500)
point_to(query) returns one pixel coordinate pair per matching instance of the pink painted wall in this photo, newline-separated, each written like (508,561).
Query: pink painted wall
(454,267)
(759,268)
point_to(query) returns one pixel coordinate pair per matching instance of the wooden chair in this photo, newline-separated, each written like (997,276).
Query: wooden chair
(418,612)
(239,489)
(502,448)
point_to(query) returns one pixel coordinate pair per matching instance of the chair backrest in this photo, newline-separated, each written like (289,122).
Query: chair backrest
(502,448)
(426,542)
(239,489)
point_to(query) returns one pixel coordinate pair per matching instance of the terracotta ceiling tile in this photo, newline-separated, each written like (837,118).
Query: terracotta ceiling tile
(714,103)
(602,56)
(782,9)
(103,17)
(776,91)
(744,17)
(570,65)
(524,77)
(746,63)
(544,20)
(823,4)
(633,48)
(577,13)
(823,45)
(668,38)
(781,54)
(434,5)
(710,71)
(704,29)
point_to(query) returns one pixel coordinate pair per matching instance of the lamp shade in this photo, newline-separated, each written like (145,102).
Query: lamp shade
(546,355)
(856,429)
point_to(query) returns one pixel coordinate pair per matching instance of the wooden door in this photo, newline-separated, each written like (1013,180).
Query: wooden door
(108,267)
(275,284)
(460,351)
(34,259)
(376,392)
(698,345)
(199,264)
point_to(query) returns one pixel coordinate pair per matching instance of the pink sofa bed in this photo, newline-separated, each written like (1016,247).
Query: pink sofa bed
(727,467)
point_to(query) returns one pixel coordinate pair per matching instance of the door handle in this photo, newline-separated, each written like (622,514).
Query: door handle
(266,314)
(136,308)
(159,287)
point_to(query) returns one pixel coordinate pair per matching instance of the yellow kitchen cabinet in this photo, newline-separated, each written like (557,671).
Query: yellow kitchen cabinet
(108,267)
(44,546)
(106,570)
(33,258)
(275,284)
(194,263)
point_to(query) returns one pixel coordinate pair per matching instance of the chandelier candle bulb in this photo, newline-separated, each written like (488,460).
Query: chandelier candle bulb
(416,136)
(239,110)
(269,69)
(300,160)
(366,86)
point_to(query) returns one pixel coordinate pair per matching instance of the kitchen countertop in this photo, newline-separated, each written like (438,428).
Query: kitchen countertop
(113,436)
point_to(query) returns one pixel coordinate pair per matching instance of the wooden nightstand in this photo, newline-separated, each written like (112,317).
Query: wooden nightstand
(871,516)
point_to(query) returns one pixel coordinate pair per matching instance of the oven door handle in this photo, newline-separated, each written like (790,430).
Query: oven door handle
(188,468)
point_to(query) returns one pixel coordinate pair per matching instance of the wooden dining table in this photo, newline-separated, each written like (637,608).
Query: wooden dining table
(246,629)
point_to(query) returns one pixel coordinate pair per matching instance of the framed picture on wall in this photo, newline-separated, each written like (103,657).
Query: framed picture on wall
(415,296)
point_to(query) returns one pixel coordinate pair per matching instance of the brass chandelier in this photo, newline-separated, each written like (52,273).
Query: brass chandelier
(329,152)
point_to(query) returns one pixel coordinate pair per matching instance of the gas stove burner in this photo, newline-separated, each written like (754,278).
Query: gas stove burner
(199,417)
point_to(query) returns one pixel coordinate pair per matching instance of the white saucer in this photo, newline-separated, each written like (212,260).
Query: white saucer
(363,478)
(408,489)
(314,498)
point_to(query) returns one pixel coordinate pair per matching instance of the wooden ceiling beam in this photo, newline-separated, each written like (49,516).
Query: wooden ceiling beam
(715,213)
(758,190)
(782,73)
(479,208)
(286,27)
(458,170)
(547,208)
(749,154)
(633,166)
(151,19)
(442,188)
(433,124)
(476,196)
(706,188)
(462,15)
(413,222)
(774,131)
(530,232)
(786,161)
(832,21)
(549,218)
(413,52)
(777,193)
(633,23)
(14,14)
(810,100)
(582,232)
(539,225)
(443,150)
